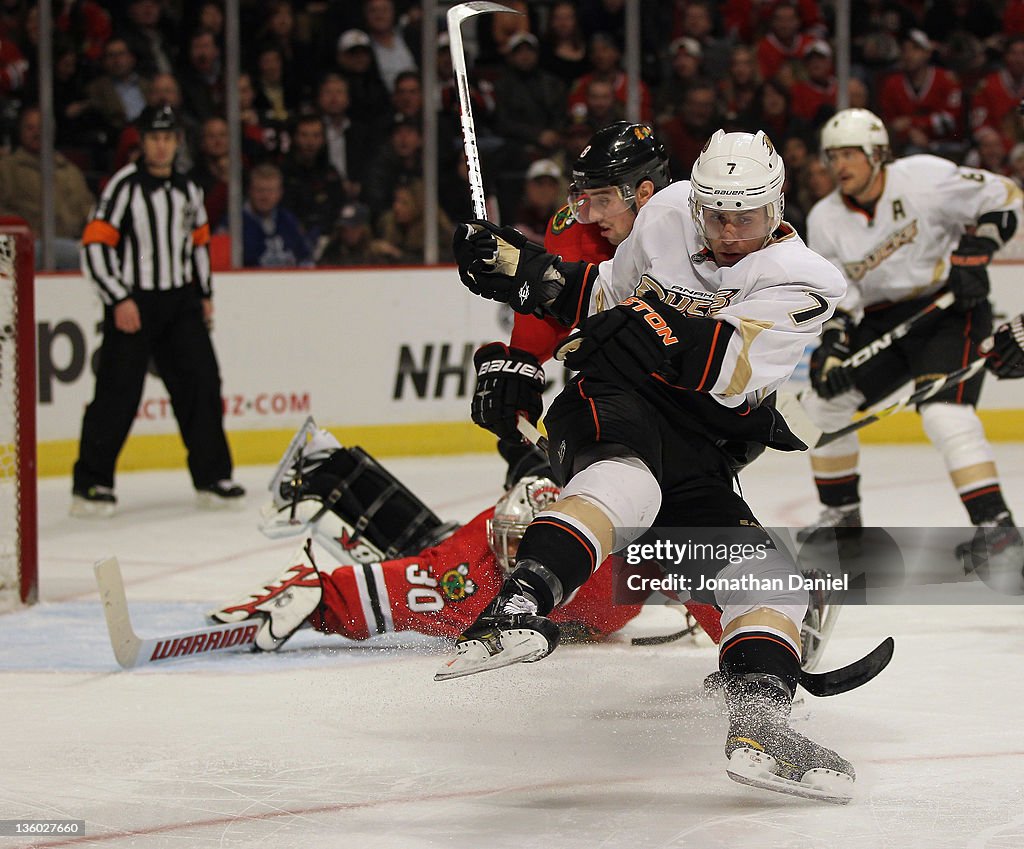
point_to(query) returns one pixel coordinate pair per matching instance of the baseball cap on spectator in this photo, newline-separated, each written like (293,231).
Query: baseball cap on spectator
(352,38)
(818,47)
(690,45)
(520,38)
(920,38)
(544,168)
(354,215)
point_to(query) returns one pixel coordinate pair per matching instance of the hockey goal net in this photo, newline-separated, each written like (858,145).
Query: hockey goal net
(18,574)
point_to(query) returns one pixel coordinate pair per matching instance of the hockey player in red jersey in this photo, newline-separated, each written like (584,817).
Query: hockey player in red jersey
(355,510)
(619,170)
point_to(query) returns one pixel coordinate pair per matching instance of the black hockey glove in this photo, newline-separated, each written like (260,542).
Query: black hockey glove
(968,273)
(1006,353)
(829,376)
(500,263)
(626,344)
(508,382)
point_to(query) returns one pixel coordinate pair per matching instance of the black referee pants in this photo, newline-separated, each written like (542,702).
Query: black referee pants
(174,335)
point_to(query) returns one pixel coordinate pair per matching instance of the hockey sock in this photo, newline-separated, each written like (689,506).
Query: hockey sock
(565,550)
(759,649)
(984,503)
(840,491)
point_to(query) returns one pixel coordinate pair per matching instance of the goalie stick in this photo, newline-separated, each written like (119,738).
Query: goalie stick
(132,651)
(820,684)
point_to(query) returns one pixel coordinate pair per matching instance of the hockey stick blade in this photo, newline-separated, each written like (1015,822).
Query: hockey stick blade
(132,651)
(849,677)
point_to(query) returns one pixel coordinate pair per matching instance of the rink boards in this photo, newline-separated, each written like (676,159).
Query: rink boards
(384,357)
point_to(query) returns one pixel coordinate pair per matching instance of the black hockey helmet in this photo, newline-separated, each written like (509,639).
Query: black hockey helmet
(155,118)
(622,154)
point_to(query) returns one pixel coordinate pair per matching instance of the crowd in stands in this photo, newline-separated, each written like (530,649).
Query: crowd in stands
(332,103)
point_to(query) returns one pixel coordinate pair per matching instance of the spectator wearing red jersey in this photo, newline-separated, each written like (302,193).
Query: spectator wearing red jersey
(13,67)
(606,64)
(921,103)
(88,23)
(744,19)
(814,98)
(685,134)
(783,44)
(998,95)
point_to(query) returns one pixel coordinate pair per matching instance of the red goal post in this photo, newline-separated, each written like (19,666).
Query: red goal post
(18,520)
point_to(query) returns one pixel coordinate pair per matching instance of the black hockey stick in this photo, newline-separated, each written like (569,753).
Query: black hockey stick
(814,436)
(662,639)
(849,677)
(861,356)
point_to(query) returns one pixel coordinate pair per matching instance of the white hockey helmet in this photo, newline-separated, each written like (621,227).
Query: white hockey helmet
(857,128)
(513,514)
(735,173)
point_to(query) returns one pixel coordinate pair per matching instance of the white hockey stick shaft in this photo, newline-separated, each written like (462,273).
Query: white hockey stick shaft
(456,15)
(132,651)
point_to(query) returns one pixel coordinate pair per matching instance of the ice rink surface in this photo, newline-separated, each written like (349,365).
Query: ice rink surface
(336,744)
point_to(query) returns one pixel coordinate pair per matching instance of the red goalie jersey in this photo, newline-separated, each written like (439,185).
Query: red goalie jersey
(444,589)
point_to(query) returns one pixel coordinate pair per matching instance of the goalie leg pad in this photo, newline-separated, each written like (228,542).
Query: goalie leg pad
(282,605)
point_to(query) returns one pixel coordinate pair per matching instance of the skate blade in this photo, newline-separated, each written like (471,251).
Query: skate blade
(517,646)
(82,508)
(754,769)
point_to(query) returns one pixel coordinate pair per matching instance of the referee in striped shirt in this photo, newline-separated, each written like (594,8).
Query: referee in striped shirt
(145,249)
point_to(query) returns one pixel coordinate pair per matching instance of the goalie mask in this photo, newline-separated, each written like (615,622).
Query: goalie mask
(513,514)
(617,159)
(736,188)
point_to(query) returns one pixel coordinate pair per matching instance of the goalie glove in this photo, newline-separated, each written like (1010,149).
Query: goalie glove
(968,273)
(508,382)
(626,344)
(500,263)
(829,376)
(1005,351)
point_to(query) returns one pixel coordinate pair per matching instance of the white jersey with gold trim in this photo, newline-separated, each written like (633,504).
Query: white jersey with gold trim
(902,252)
(776,298)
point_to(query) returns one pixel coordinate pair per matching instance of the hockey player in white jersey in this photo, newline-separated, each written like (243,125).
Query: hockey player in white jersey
(902,232)
(703,311)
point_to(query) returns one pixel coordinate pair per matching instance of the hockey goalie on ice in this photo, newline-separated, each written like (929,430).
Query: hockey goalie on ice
(402,568)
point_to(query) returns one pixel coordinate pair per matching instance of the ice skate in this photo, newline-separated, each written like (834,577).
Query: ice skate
(996,555)
(845,521)
(819,621)
(765,752)
(508,631)
(282,605)
(220,495)
(94,502)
